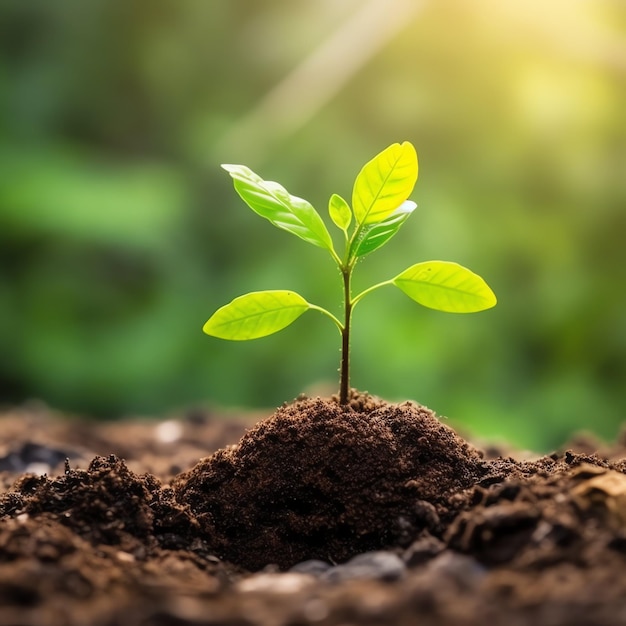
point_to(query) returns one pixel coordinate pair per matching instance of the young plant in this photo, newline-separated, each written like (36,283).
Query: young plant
(380,206)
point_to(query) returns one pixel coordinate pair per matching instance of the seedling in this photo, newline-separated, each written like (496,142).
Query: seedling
(380,206)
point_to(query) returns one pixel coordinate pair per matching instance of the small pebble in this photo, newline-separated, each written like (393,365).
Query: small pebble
(32,458)
(314,567)
(39,469)
(289,582)
(463,570)
(423,550)
(378,565)
(168,431)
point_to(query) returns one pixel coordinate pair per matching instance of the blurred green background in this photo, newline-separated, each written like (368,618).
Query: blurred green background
(120,234)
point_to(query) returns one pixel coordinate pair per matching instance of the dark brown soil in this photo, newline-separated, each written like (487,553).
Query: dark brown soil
(371,514)
(318,481)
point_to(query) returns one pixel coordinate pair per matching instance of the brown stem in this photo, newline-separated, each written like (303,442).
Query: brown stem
(344,380)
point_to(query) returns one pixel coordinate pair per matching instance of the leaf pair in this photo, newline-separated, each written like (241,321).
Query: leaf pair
(379,201)
(439,285)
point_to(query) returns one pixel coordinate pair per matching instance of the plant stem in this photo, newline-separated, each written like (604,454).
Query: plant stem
(344,368)
(369,290)
(314,307)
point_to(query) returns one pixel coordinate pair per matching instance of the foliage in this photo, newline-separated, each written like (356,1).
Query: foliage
(380,206)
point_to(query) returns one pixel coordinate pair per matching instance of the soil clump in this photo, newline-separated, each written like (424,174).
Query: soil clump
(321,481)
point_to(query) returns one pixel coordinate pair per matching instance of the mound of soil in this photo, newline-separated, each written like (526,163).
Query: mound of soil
(321,481)
(321,514)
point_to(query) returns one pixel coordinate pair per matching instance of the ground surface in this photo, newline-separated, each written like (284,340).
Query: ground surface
(372,514)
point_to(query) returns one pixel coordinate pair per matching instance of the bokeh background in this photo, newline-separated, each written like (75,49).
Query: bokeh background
(120,234)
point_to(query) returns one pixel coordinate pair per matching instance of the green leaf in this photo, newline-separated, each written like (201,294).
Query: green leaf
(446,286)
(373,237)
(256,314)
(273,202)
(339,211)
(384,183)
